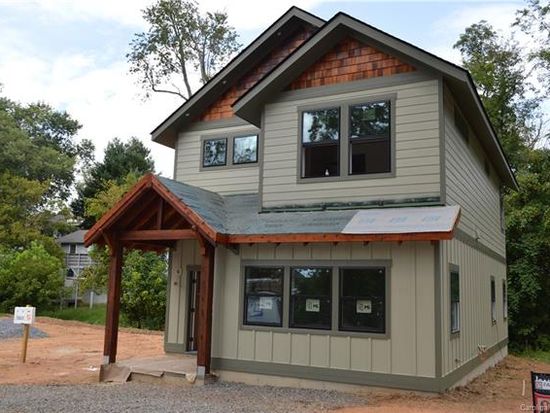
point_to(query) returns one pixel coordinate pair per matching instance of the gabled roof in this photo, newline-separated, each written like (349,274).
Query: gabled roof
(250,104)
(76,237)
(166,132)
(235,219)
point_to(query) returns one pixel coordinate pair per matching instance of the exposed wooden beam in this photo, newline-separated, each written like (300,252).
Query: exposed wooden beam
(160,213)
(157,234)
(204,323)
(113,304)
(336,237)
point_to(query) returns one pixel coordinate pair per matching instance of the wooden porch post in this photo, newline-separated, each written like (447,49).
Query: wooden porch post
(113,304)
(204,324)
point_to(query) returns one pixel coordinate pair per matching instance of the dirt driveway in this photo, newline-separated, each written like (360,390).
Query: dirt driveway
(72,352)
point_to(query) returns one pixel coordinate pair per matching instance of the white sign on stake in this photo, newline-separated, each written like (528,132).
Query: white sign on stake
(24,315)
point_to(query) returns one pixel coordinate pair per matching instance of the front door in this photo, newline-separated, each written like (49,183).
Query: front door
(192,308)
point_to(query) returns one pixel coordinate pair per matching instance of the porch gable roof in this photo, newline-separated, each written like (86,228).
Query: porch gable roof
(237,219)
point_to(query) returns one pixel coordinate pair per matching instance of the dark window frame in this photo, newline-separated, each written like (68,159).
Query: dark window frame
(344,141)
(369,138)
(454,270)
(341,270)
(336,143)
(291,300)
(504,300)
(234,138)
(493,291)
(72,248)
(230,146)
(246,296)
(335,265)
(204,142)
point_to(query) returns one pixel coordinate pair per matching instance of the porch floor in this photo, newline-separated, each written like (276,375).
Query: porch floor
(176,367)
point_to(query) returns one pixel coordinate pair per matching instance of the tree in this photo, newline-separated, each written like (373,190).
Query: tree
(143,273)
(179,39)
(500,72)
(503,73)
(48,138)
(32,276)
(120,159)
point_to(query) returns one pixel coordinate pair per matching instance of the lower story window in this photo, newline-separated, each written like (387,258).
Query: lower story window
(493,301)
(310,298)
(455,301)
(363,299)
(263,296)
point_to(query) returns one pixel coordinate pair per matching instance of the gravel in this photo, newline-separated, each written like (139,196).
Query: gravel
(139,397)
(10,330)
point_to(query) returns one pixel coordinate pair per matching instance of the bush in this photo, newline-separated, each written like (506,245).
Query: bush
(31,276)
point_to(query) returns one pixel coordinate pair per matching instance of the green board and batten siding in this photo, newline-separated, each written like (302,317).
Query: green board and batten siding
(417,150)
(468,185)
(409,350)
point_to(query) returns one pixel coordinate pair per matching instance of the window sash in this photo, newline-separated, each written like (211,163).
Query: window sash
(493,301)
(454,290)
(324,299)
(372,297)
(235,138)
(204,145)
(385,135)
(257,295)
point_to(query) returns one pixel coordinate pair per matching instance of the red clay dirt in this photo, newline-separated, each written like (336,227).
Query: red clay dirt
(72,353)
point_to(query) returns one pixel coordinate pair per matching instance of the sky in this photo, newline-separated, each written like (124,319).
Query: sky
(71,53)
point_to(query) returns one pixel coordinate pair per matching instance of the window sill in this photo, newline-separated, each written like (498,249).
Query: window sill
(317,332)
(226,167)
(363,177)
(455,334)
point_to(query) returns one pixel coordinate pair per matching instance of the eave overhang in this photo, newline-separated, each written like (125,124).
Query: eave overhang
(250,105)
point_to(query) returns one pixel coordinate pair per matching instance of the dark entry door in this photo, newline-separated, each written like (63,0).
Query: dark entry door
(192,308)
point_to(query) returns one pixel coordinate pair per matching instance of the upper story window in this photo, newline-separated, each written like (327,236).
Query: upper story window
(320,143)
(214,152)
(369,134)
(245,149)
(72,248)
(347,140)
(232,150)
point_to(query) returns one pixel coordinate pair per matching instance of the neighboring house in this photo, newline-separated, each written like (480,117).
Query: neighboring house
(336,215)
(76,259)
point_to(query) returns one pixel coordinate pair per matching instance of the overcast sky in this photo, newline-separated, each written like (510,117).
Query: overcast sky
(71,53)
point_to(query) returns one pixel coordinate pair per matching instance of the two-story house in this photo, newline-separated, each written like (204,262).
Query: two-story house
(335,215)
(76,259)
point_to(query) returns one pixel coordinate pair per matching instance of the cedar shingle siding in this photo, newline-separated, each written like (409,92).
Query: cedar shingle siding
(221,109)
(350,60)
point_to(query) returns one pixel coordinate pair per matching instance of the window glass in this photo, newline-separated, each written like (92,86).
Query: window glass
(214,152)
(72,248)
(363,299)
(493,301)
(370,120)
(263,296)
(245,149)
(455,301)
(369,133)
(321,126)
(320,143)
(310,298)
(504,300)
(370,157)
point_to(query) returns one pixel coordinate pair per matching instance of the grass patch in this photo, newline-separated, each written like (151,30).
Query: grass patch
(95,315)
(539,355)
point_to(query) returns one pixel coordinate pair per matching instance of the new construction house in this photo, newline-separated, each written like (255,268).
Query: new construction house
(335,215)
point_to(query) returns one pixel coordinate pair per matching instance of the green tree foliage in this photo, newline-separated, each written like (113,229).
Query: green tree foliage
(120,160)
(40,144)
(179,39)
(499,69)
(143,273)
(503,73)
(31,276)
